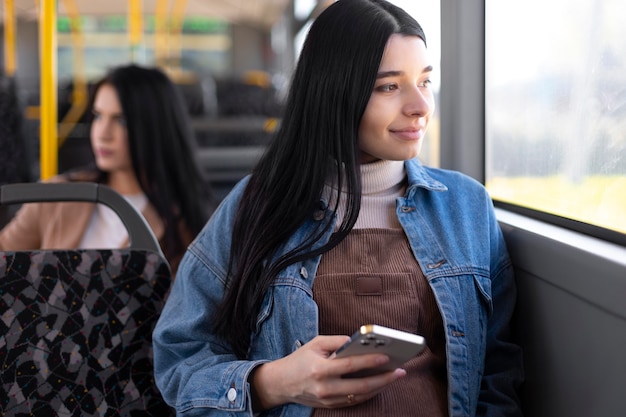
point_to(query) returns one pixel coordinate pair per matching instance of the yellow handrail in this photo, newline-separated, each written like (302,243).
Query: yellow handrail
(176,29)
(79,90)
(161,31)
(10,61)
(135,27)
(48,138)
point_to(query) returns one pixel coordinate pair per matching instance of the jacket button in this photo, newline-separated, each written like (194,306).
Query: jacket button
(232,395)
(304,273)
(318,215)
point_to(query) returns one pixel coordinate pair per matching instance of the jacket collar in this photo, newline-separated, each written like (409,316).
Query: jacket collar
(419,177)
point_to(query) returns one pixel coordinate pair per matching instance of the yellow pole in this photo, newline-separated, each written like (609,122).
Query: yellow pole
(79,92)
(161,31)
(10,61)
(135,26)
(48,78)
(178,17)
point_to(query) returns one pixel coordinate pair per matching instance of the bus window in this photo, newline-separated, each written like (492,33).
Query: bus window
(555,84)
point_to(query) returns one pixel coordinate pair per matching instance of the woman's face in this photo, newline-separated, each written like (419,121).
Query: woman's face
(109,137)
(400,107)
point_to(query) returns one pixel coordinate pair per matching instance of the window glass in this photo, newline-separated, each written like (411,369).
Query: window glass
(556,107)
(204,44)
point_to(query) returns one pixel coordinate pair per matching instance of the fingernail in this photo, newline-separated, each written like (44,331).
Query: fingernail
(400,372)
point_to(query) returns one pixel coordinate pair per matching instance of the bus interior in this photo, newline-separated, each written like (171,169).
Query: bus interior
(232,61)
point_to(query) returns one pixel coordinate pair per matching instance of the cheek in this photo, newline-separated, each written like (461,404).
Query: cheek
(365,131)
(379,114)
(93,133)
(124,146)
(120,137)
(370,119)
(431,103)
(368,140)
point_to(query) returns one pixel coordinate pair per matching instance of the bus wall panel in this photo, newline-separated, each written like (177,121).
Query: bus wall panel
(570,318)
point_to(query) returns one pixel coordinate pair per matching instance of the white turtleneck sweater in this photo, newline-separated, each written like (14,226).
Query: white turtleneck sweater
(382,183)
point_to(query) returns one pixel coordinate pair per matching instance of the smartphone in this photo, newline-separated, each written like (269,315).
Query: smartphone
(371,338)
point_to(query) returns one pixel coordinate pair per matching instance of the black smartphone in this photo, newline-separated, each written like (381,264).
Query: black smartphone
(400,346)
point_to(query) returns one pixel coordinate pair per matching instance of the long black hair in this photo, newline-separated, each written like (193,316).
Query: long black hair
(330,89)
(162,148)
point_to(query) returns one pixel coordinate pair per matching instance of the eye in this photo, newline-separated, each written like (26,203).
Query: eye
(426,83)
(386,88)
(96,115)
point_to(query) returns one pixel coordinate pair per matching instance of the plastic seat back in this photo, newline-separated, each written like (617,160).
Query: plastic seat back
(76,325)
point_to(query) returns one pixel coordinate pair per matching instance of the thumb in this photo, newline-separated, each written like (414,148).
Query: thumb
(327,345)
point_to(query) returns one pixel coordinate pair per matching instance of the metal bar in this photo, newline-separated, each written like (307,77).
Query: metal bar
(176,29)
(79,90)
(161,31)
(135,27)
(10,57)
(48,137)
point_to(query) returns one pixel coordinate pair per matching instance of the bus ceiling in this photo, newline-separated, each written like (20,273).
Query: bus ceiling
(260,13)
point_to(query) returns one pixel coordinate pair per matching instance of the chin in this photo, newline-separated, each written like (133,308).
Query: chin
(414,155)
(406,157)
(103,167)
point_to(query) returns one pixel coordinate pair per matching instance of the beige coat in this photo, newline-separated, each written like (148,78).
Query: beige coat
(58,226)
(62,225)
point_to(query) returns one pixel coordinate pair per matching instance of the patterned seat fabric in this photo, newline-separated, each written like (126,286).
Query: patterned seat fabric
(76,332)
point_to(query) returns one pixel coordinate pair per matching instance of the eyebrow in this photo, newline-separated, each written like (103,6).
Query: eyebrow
(385,74)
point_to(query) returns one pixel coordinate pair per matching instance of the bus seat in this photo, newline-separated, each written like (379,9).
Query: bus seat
(76,324)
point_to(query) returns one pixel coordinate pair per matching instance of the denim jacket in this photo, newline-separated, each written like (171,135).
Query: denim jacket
(450,223)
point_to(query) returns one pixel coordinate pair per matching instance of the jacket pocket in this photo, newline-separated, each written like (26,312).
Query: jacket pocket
(266,308)
(288,316)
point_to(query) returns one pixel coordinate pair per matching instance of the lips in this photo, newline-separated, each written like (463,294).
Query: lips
(103,152)
(409,134)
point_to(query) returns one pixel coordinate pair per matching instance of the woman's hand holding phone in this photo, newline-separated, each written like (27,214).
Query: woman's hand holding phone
(312,376)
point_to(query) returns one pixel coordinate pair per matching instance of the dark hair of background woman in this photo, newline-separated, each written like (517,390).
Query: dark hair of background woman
(330,90)
(162,147)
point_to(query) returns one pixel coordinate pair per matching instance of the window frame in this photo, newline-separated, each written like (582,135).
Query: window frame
(463,112)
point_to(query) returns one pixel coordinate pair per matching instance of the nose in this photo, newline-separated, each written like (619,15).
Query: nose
(419,102)
(101,129)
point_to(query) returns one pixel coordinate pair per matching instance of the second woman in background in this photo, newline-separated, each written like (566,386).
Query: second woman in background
(143,147)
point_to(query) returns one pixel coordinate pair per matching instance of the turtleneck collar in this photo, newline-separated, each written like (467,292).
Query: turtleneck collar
(381,176)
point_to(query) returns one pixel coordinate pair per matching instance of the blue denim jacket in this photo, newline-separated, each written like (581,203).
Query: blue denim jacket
(449,220)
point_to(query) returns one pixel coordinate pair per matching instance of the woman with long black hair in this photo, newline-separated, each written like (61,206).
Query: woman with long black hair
(143,146)
(339,225)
